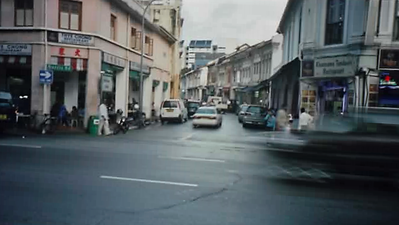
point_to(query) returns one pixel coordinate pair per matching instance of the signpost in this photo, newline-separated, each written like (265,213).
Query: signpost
(46,77)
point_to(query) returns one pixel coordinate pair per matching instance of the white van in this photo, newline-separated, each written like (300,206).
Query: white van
(173,110)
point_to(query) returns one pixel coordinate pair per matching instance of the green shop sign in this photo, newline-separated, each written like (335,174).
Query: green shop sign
(61,68)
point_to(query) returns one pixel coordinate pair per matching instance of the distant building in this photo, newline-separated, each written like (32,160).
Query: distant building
(167,14)
(199,52)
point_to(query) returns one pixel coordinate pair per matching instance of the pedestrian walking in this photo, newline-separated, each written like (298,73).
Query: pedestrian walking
(282,118)
(104,120)
(305,120)
(270,121)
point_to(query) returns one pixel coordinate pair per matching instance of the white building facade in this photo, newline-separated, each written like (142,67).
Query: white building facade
(195,83)
(344,51)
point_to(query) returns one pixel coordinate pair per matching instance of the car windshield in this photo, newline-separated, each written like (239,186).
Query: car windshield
(244,108)
(170,104)
(193,104)
(206,111)
(256,109)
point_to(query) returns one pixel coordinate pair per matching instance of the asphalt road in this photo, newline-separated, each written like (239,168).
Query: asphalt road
(172,174)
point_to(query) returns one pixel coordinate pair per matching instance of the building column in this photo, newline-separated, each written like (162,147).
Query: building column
(122,87)
(71,90)
(36,87)
(92,84)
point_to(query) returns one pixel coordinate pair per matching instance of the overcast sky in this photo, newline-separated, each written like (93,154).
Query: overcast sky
(250,21)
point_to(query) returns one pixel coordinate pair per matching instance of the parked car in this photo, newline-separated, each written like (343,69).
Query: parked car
(173,110)
(192,106)
(241,113)
(8,112)
(254,115)
(207,116)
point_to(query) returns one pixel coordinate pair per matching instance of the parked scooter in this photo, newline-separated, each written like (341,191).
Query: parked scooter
(124,123)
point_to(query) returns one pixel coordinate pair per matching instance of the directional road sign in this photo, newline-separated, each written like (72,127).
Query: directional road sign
(46,77)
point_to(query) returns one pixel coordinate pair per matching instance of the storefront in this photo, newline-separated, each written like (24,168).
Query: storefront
(69,66)
(134,82)
(112,68)
(388,82)
(16,74)
(328,84)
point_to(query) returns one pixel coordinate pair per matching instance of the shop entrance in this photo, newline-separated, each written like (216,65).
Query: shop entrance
(16,78)
(332,97)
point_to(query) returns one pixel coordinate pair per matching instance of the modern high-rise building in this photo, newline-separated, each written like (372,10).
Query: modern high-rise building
(199,52)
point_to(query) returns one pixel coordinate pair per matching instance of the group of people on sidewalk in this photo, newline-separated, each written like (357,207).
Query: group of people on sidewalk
(281,120)
(65,118)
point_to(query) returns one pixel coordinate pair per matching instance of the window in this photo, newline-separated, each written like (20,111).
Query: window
(157,15)
(149,45)
(113,27)
(70,15)
(23,13)
(133,37)
(335,22)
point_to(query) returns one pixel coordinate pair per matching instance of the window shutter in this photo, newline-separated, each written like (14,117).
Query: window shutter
(133,38)
(151,50)
(138,40)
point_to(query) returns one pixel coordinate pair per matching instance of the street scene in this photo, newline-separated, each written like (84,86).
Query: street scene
(199,112)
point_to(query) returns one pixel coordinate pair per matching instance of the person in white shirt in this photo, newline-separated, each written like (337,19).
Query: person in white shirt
(305,120)
(104,124)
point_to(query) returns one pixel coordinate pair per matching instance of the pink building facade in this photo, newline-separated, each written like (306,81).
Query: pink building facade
(93,49)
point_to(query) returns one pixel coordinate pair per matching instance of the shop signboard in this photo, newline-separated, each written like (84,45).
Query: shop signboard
(15,49)
(307,68)
(114,60)
(107,83)
(61,68)
(136,67)
(335,66)
(69,38)
(389,59)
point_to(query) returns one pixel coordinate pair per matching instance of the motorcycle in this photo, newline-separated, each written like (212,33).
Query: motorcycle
(124,123)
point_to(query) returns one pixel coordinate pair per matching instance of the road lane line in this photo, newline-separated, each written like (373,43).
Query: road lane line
(149,181)
(186,137)
(21,146)
(193,159)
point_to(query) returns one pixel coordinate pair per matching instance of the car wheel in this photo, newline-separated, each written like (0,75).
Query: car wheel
(162,121)
(181,119)
(195,126)
(244,125)
(239,121)
(220,125)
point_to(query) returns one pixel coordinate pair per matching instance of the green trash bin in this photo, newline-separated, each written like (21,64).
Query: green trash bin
(93,125)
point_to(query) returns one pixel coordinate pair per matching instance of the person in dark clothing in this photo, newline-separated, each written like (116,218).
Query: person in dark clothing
(74,116)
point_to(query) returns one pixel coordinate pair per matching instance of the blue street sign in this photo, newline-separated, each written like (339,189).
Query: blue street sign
(46,76)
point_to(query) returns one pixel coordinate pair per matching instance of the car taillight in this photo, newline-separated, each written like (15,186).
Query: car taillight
(212,117)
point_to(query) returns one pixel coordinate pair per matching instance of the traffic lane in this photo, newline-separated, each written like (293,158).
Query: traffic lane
(55,193)
(254,200)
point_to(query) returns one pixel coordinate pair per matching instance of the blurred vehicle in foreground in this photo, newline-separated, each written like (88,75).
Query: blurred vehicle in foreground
(207,116)
(192,107)
(241,113)
(367,149)
(254,116)
(8,112)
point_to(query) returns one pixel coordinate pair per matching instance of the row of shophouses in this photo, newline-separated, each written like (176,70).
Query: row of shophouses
(334,55)
(92,48)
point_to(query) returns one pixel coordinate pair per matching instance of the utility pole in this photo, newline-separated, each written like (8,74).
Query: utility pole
(142,54)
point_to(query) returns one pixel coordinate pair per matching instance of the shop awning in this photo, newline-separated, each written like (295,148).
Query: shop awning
(165,86)
(109,67)
(135,75)
(252,88)
(294,65)
(74,63)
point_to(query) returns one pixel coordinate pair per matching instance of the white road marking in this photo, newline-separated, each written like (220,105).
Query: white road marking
(193,159)
(149,181)
(186,137)
(21,146)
